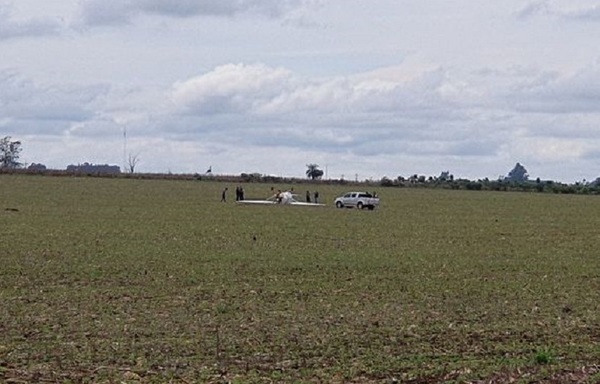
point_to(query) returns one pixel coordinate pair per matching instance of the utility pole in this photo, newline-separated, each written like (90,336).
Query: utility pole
(125,148)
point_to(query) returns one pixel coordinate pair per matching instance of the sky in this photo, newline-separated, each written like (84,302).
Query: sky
(364,89)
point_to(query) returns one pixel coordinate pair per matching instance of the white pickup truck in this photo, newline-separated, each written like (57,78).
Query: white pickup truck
(360,200)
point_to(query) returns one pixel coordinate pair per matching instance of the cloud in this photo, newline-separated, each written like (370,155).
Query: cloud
(534,8)
(370,114)
(429,116)
(544,8)
(588,14)
(265,91)
(29,107)
(11,28)
(111,12)
(576,93)
(231,88)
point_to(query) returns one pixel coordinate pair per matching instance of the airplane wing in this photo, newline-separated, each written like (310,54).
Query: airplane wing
(284,198)
(263,202)
(303,204)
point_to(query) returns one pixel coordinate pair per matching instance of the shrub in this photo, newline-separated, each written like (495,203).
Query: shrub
(543,357)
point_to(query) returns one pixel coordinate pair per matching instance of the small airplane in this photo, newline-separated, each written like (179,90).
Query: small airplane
(282,198)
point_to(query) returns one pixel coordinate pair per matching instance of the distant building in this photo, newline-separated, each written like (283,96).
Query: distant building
(37,167)
(102,169)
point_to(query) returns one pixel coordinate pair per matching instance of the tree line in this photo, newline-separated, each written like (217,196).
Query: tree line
(517,178)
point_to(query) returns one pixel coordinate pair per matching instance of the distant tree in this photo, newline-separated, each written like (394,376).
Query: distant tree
(538,185)
(474,186)
(251,177)
(446,176)
(9,153)
(132,163)
(518,174)
(595,183)
(313,172)
(386,182)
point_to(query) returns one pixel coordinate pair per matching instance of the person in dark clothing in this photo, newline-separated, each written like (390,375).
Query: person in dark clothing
(316,197)
(308,196)
(224,196)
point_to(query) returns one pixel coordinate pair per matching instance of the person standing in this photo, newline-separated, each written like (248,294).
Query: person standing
(316,197)
(308,196)
(224,195)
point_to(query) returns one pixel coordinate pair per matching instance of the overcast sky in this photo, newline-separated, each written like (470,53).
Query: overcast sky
(362,88)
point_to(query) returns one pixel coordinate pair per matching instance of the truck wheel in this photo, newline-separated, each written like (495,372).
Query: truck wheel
(359,205)
(339,204)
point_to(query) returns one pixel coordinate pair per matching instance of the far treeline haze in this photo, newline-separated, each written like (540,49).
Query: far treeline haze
(517,179)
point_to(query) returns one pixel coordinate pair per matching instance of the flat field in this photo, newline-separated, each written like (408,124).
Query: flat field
(157,281)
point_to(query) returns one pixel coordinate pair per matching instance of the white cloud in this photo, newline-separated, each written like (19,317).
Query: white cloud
(264,91)
(231,88)
(375,114)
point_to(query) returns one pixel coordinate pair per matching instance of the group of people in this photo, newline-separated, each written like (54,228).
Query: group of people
(239,194)
(315,195)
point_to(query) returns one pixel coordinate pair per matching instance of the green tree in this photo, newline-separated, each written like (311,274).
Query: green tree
(313,172)
(518,174)
(9,153)
(386,182)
